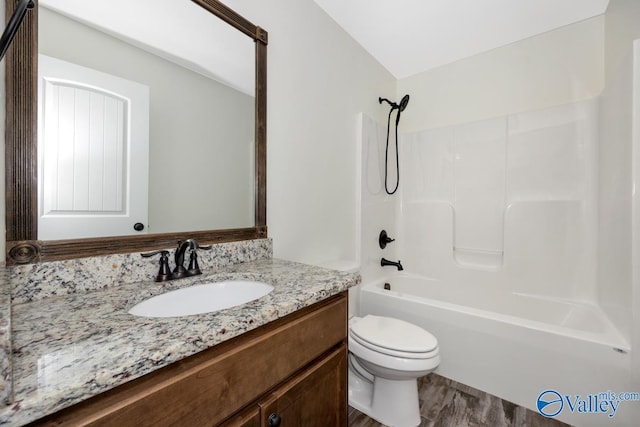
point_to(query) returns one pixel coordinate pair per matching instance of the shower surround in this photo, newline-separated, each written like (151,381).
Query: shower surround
(496,224)
(510,200)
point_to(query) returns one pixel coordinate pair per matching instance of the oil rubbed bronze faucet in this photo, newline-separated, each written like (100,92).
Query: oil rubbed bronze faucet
(384,262)
(165,273)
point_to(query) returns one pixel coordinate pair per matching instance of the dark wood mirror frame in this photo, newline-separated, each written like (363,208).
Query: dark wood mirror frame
(21,144)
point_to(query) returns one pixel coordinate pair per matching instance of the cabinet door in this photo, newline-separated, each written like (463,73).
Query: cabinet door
(315,397)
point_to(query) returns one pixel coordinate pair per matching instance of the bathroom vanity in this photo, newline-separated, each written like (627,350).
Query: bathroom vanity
(82,359)
(289,372)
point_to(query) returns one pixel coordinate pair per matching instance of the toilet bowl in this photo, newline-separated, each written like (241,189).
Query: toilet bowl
(386,358)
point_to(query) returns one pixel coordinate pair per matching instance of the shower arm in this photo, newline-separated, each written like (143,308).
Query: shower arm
(14,24)
(392,104)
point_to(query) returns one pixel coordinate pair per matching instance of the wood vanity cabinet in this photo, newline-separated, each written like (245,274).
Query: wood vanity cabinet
(291,372)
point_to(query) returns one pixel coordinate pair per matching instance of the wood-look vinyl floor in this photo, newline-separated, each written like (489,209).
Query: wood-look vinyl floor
(446,403)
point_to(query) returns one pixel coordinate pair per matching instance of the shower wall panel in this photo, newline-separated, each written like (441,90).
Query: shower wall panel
(506,201)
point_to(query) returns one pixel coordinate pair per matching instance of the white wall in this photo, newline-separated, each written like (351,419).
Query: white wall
(319,79)
(557,67)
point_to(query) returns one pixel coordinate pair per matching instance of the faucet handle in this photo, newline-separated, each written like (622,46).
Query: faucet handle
(164,273)
(384,238)
(194,268)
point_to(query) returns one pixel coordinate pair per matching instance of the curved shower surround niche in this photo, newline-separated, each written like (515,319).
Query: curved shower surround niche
(508,199)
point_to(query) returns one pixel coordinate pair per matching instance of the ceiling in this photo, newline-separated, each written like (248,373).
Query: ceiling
(411,36)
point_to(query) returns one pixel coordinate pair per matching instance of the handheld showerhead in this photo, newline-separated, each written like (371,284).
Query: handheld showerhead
(403,103)
(400,107)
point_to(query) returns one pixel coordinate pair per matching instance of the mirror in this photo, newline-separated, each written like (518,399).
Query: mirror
(108,87)
(205,182)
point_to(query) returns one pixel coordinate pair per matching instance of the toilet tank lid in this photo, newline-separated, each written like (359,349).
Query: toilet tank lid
(394,334)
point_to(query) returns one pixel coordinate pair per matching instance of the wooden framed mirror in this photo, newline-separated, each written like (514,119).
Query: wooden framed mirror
(23,242)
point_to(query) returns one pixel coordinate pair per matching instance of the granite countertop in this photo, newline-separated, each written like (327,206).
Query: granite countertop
(72,347)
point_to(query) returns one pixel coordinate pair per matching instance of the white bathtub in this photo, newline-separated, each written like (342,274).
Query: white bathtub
(514,346)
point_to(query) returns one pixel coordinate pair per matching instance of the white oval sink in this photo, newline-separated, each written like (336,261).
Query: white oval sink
(200,299)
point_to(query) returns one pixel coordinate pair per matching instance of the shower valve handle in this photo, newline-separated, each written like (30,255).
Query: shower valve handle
(384,239)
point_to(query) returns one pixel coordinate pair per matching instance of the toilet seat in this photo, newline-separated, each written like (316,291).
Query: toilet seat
(393,337)
(400,366)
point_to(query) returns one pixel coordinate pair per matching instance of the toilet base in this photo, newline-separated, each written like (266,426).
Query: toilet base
(393,403)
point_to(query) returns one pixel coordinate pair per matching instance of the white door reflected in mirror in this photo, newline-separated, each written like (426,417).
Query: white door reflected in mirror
(94,145)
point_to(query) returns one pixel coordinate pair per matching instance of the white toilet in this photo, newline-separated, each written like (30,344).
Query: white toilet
(386,357)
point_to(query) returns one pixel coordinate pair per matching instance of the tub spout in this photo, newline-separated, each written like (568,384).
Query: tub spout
(384,262)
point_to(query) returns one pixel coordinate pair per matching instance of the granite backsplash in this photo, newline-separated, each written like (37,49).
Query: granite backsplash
(34,282)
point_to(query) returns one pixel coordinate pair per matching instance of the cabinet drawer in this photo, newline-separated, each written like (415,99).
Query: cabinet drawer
(210,386)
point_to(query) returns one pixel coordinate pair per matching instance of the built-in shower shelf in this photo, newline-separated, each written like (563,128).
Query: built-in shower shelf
(478,259)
